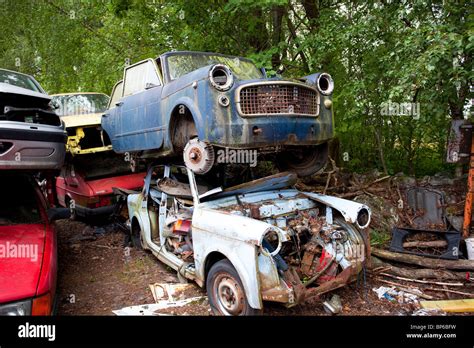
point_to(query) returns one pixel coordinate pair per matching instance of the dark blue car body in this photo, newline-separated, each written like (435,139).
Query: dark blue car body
(261,113)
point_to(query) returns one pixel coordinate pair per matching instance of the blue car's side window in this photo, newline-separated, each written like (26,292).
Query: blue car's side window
(116,94)
(138,77)
(135,79)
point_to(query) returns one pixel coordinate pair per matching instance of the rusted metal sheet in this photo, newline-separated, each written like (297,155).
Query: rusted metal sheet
(459,142)
(428,208)
(401,237)
(177,189)
(268,183)
(340,280)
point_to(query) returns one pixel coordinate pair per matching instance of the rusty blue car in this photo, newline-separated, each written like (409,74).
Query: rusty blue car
(195,106)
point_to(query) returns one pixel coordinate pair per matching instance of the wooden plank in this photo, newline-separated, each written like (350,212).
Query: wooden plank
(422,273)
(426,244)
(424,261)
(457,306)
(451,291)
(420,281)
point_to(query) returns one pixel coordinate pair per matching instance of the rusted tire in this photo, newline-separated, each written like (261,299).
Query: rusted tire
(226,292)
(304,161)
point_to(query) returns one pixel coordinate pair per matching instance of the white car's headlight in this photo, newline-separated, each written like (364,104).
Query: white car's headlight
(273,237)
(19,308)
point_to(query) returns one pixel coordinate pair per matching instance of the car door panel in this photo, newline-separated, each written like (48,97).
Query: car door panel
(141,126)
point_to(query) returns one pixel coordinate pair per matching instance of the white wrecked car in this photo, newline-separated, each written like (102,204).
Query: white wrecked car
(252,243)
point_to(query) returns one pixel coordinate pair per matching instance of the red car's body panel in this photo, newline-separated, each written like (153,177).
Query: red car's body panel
(33,271)
(47,281)
(19,276)
(104,186)
(94,193)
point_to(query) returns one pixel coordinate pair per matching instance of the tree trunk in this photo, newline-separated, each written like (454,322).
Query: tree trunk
(424,261)
(277,18)
(426,244)
(311,7)
(380,148)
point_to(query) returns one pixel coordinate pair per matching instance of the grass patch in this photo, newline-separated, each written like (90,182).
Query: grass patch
(379,238)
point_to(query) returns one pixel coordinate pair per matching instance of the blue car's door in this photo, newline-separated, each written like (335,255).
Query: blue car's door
(111,117)
(141,124)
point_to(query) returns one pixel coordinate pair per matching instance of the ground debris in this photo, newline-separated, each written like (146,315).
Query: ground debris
(156,308)
(391,294)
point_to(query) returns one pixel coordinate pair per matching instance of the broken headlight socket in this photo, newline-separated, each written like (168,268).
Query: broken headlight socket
(363,218)
(270,236)
(325,84)
(220,77)
(223,100)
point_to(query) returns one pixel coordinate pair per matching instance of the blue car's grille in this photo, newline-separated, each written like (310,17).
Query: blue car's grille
(269,99)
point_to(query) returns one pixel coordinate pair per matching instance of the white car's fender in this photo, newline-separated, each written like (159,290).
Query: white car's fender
(353,212)
(133,205)
(237,238)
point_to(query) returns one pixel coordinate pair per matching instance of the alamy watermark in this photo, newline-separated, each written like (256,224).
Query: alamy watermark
(28,330)
(400,109)
(237,156)
(23,251)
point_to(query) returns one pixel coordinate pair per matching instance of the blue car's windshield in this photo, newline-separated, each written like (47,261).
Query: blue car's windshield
(184,63)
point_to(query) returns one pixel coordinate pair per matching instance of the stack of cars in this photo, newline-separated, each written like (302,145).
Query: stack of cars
(256,242)
(91,172)
(247,244)
(32,148)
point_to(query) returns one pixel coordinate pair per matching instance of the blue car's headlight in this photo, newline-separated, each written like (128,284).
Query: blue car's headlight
(16,308)
(221,77)
(325,84)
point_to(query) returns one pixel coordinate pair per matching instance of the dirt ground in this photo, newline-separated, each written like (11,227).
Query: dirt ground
(97,274)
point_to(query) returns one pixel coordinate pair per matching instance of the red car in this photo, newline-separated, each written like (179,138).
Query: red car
(86,183)
(28,254)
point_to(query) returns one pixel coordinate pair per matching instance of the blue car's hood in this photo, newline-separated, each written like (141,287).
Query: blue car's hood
(203,73)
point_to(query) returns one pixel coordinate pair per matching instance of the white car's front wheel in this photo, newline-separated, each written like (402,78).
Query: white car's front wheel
(226,292)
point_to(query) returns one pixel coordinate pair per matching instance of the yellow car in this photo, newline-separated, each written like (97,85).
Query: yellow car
(81,113)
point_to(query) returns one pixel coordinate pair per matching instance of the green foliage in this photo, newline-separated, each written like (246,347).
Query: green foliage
(403,52)
(379,239)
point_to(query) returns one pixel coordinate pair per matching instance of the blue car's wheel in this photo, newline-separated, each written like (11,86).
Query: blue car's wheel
(304,161)
(198,156)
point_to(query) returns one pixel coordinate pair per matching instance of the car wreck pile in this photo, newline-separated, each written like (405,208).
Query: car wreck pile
(255,241)
(258,241)
(32,150)
(249,242)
